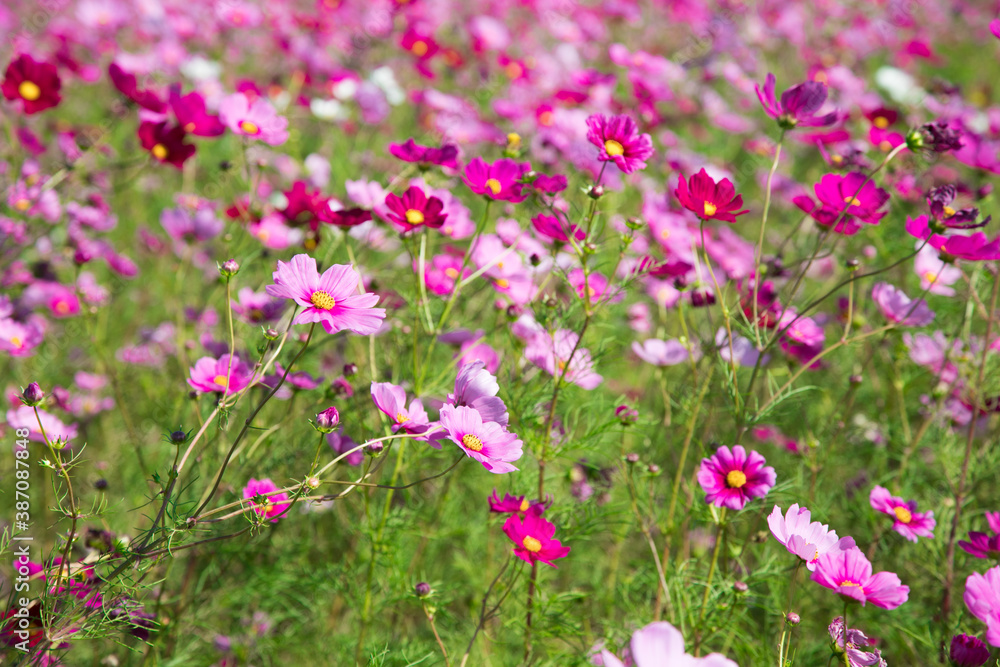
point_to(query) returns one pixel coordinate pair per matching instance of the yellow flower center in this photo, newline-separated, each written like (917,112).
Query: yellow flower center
(22,204)
(852,201)
(930,276)
(836,159)
(613,148)
(736,479)
(545,118)
(524,506)
(414,217)
(451,272)
(949,211)
(160,151)
(472,442)
(221,380)
(503,283)
(848,582)
(62,307)
(29,90)
(190,127)
(881,122)
(531,544)
(401,418)
(710,209)
(513,139)
(884,146)
(902,514)
(494,185)
(16,341)
(513,70)
(322,300)
(419,48)
(248,127)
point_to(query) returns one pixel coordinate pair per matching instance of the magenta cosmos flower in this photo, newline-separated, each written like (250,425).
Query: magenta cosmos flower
(908,522)
(270,507)
(500,180)
(35,84)
(411,151)
(415,209)
(560,356)
(798,105)
(257,120)
(660,644)
(899,308)
(850,574)
(806,539)
(489,443)
(619,141)
(843,199)
(532,538)
(731,478)
(710,200)
(165,143)
(982,597)
(967,651)
(330,299)
(391,400)
(975,247)
(226,375)
(514,505)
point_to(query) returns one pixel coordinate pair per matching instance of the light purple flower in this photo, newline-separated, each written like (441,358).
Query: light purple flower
(899,308)
(257,120)
(807,540)
(660,644)
(664,352)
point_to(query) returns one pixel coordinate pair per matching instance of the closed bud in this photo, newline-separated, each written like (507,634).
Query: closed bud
(229,268)
(423,589)
(626,415)
(595,191)
(271,334)
(654,469)
(792,618)
(855,379)
(631,457)
(634,223)
(327,420)
(313,482)
(101,484)
(350,369)
(740,587)
(968,651)
(178,437)
(81,256)
(32,395)
(374,449)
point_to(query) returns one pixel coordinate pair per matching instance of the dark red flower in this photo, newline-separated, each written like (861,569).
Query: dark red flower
(710,200)
(127,85)
(347,217)
(446,156)
(35,83)
(192,115)
(166,144)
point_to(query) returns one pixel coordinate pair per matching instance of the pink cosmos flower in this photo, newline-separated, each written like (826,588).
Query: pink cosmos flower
(532,538)
(710,200)
(413,152)
(982,597)
(798,105)
(477,388)
(857,642)
(664,352)
(257,307)
(975,247)
(191,114)
(595,286)
(982,545)
(850,574)
(619,141)
(514,505)
(899,308)
(226,375)
(993,519)
(489,443)
(341,443)
(330,299)
(499,180)
(414,209)
(841,200)
(442,273)
(551,228)
(731,478)
(660,644)
(391,400)
(23,416)
(551,352)
(270,507)
(907,521)
(257,120)
(936,275)
(807,540)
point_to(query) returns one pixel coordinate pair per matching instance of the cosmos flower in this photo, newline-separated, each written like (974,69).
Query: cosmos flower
(270,507)
(410,151)
(391,400)
(975,247)
(982,597)
(191,114)
(257,119)
(899,308)
(166,144)
(226,375)
(330,299)
(967,651)
(415,209)
(477,388)
(664,352)
(128,85)
(709,200)
(619,141)
(35,84)
(23,417)
(532,538)
(514,505)
(553,352)
(907,521)
(660,644)
(798,105)
(807,540)
(552,229)
(850,574)
(982,545)
(844,200)
(257,307)
(499,180)
(857,643)
(731,478)
(487,442)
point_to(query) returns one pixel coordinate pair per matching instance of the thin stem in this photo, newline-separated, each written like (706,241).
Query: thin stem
(430,618)
(759,250)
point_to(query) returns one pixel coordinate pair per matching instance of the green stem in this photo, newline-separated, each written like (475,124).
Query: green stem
(759,250)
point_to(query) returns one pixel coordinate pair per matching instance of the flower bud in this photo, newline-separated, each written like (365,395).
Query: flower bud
(595,191)
(626,415)
(968,651)
(81,257)
(792,618)
(423,589)
(654,469)
(374,449)
(32,395)
(631,457)
(327,420)
(271,334)
(740,587)
(101,484)
(229,268)
(852,264)
(313,482)
(350,369)
(178,437)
